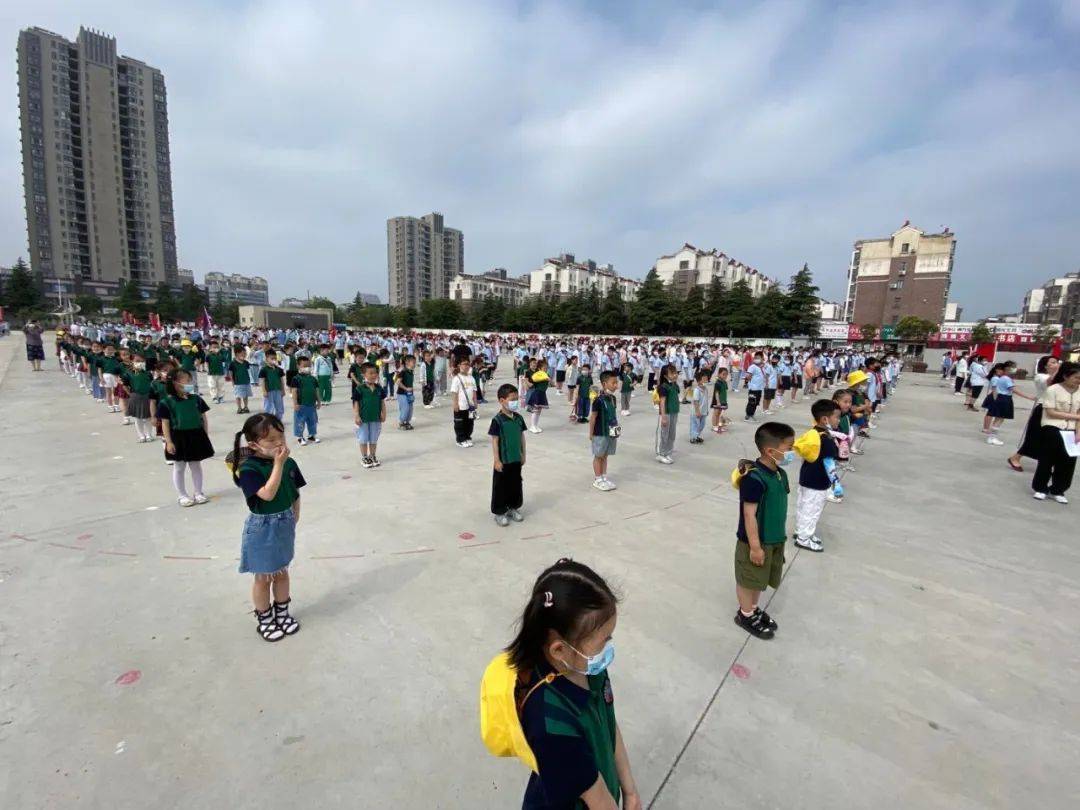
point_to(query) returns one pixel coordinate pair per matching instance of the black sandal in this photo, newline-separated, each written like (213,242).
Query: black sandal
(285,622)
(268,627)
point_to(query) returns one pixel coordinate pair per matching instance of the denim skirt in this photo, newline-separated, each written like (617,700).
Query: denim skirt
(268,541)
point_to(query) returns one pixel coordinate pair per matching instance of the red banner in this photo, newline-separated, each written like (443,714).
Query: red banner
(854,332)
(155,322)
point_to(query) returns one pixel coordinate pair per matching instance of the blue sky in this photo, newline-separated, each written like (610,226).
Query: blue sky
(776,132)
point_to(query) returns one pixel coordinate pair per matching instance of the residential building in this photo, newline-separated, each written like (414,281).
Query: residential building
(422,256)
(184,276)
(908,273)
(370,299)
(953,312)
(830,310)
(236,288)
(1056,302)
(1031,312)
(563,276)
(690,266)
(469,289)
(96,168)
(293,303)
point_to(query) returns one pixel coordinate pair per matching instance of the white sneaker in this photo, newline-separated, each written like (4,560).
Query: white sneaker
(598,483)
(200,498)
(665,459)
(1061,499)
(462,444)
(624,413)
(610,483)
(185,501)
(428,407)
(994,440)
(536,430)
(315,440)
(833,498)
(813,544)
(1039,496)
(767,413)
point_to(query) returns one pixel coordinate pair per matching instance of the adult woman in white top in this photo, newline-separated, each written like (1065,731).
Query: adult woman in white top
(1045,370)
(1061,415)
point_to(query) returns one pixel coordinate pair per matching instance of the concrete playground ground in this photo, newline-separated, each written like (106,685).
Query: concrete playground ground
(928,659)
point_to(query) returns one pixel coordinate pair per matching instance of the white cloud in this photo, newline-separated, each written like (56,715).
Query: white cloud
(777,133)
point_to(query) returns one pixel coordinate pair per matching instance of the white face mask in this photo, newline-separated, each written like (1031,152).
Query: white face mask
(305,370)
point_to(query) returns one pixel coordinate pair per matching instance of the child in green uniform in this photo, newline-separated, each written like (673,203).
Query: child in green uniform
(668,392)
(271,483)
(762,532)
(240,373)
(719,401)
(323,365)
(216,360)
(139,381)
(406,396)
(369,412)
(273,391)
(306,402)
(604,430)
(187,442)
(566,706)
(507,432)
(582,402)
(626,377)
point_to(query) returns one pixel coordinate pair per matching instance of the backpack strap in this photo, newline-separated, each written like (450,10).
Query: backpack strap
(549,678)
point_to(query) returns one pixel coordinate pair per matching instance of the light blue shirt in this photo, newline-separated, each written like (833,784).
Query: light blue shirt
(757,378)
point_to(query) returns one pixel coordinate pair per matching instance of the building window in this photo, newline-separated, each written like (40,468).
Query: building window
(684,264)
(905,248)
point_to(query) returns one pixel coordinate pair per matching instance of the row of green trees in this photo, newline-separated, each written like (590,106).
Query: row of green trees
(713,311)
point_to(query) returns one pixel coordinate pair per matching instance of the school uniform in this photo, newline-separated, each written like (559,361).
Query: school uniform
(771,381)
(604,439)
(627,389)
(268,541)
(538,399)
(719,397)
(976,379)
(669,406)
(240,372)
(463,389)
(583,404)
(138,403)
(427,391)
(506,486)
(1055,469)
(370,404)
(768,489)
(215,370)
(755,388)
(700,399)
(307,415)
(814,486)
(571,731)
(184,415)
(999,402)
(273,396)
(405,398)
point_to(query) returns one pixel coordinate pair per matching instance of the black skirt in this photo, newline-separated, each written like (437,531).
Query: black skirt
(1031,443)
(191,445)
(138,406)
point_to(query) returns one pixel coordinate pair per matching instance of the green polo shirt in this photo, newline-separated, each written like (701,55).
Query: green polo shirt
(271,376)
(240,371)
(215,363)
(183,413)
(253,474)
(110,365)
(509,430)
(308,388)
(720,392)
(405,380)
(670,394)
(627,383)
(604,406)
(187,360)
(138,381)
(370,400)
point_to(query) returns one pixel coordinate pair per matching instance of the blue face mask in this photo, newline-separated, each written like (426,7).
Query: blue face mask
(595,664)
(189,388)
(789,456)
(513,404)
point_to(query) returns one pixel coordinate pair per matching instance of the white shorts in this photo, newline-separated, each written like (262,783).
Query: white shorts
(108,381)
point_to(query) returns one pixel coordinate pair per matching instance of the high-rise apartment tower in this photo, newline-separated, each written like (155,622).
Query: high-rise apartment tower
(95,145)
(422,257)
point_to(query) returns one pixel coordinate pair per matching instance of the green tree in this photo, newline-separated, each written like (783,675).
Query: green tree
(715,308)
(23,294)
(130,298)
(89,304)
(912,327)
(802,313)
(489,315)
(692,318)
(612,320)
(165,303)
(740,309)
(769,314)
(224,313)
(440,313)
(651,313)
(191,302)
(322,302)
(981,333)
(405,318)
(374,315)
(868,331)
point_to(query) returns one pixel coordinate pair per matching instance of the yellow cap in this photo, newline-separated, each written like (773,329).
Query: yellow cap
(856,377)
(185,342)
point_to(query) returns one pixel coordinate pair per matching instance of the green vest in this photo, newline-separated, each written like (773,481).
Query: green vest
(241,372)
(510,431)
(287,492)
(772,508)
(272,378)
(370,400)
(308,388)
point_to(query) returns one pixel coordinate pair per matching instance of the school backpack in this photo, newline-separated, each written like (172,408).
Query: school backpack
(808,446)
(656,395)
(742,468)
(500,725)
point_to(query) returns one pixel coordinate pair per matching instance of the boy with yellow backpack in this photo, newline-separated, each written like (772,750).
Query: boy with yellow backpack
(547,699)
(817,477)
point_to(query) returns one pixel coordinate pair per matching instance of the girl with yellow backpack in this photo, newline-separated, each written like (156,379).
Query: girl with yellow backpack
(548,701)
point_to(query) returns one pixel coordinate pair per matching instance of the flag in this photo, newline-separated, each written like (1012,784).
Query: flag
(204,321)
(333,332)
(155,321)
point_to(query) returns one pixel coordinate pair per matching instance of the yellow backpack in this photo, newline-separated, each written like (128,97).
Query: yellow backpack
(743,467)
(808,446)
(656,395)
(500,725)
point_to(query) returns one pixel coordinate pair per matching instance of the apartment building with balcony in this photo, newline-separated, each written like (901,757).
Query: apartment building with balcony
(237,289)
(422,257)
(564,276)
(691,266)
(470,290)
(96,164)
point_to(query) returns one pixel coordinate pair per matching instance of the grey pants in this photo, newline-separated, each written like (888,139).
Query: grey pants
(626,401)
(665,434)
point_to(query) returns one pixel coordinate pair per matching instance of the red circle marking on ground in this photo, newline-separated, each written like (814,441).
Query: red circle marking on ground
(466,536)
(740,672)
(129,677)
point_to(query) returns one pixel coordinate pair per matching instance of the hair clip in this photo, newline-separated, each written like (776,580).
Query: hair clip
(549,600)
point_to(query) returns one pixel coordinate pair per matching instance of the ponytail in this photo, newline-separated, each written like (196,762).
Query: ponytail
(568,599)
(236,458)
(255,427)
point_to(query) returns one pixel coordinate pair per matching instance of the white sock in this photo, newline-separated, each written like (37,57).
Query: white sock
(534,418)
(178,478)
(196,476)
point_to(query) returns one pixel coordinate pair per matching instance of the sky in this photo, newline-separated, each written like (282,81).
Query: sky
(778,133)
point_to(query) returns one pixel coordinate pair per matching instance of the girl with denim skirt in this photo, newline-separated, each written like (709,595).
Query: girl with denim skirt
(271,483)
